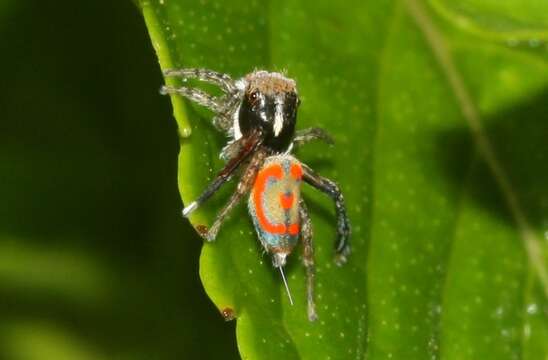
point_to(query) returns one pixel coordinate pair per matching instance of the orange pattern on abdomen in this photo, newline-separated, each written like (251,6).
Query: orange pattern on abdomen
(280,206)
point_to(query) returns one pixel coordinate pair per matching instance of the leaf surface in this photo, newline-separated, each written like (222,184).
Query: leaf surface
(440,151)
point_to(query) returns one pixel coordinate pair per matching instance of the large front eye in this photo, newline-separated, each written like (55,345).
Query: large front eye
(254,97)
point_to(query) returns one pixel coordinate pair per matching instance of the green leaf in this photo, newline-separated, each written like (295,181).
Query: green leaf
(441,153)
(512,21)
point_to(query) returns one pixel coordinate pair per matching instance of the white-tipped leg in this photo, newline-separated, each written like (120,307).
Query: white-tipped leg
(245,184)
(250,144)
(190,208)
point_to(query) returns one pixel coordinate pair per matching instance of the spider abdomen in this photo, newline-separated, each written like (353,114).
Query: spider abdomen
(274,203)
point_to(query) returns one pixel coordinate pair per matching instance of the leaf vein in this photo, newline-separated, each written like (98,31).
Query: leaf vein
(442,54)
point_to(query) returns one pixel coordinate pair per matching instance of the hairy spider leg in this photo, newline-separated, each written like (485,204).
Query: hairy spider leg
(198,96)
(224,120)
(308,259)
(245,184)
(251,143)
(306,135)
(329,187)
(224,81)
(224,106)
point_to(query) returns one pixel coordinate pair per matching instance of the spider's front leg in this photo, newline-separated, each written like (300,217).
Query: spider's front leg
(308,259)
(245,184)
(342,246)
(223,106)
(198,96)
(249,145)
(223,81)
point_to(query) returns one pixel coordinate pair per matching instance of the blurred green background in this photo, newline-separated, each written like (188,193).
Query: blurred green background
(95,260)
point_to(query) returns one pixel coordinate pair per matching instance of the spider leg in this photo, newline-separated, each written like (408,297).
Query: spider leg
(223,81)
(306,135)
(224,119)
(231,149)
(342,246)
(224,106)
(308,259)
(198,96)
(249,145)
(245,184)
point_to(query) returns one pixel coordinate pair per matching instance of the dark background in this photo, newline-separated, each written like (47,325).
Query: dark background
(95,259)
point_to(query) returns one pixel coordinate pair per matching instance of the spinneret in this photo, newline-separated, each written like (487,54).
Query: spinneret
(259,112)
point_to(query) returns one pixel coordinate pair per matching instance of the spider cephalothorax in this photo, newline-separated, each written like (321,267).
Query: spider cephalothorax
(259,113)
(270,103)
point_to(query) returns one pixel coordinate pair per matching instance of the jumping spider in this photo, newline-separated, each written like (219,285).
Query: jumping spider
(258,112)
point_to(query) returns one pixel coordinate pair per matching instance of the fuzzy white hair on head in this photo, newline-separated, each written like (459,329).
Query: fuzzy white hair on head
(279,116)
(236,132)
(241,84)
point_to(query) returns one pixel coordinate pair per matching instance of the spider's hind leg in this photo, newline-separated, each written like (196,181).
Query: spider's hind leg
(342,245)
(308,259)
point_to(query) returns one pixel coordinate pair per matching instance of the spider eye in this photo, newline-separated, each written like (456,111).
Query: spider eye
(254,96)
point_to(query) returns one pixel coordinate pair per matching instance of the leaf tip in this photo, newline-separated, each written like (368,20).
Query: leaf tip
(228,314)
